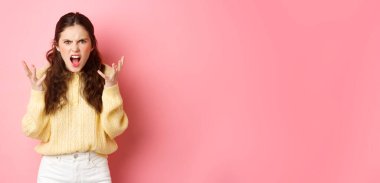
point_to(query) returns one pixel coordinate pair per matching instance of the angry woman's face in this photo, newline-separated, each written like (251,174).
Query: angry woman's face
(75,47)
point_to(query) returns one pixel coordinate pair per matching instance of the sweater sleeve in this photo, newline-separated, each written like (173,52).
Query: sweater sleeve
(35,123)
(113,118)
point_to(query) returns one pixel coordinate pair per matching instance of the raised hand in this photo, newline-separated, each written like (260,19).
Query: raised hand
(111,79)
(35,82)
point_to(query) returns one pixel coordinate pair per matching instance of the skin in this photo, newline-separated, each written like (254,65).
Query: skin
(74,40)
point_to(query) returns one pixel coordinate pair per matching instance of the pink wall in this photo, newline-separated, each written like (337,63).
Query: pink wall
(278,91)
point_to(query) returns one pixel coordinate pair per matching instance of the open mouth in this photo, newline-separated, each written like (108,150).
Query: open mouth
(75,60)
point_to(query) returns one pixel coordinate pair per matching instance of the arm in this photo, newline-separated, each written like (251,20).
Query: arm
(35,123)
(113,118)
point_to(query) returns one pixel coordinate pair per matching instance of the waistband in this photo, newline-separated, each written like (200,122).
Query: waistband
(75,156)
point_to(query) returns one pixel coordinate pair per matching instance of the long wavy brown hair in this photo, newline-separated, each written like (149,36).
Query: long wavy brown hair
(57,76)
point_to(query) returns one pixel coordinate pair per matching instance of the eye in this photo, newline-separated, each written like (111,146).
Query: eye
(83,41)
(66,42)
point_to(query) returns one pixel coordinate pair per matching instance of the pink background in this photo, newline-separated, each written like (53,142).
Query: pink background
(277,91)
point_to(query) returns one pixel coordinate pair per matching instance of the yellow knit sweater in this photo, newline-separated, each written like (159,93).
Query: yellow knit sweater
(77,127)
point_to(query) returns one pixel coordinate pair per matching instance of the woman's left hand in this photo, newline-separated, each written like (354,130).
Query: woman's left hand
(112,78)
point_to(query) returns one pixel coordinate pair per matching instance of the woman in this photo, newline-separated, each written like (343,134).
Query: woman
(75,108)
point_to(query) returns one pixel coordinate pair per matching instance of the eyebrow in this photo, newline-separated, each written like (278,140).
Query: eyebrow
(86,39)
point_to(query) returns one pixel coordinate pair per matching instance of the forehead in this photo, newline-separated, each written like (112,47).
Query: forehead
(74,32)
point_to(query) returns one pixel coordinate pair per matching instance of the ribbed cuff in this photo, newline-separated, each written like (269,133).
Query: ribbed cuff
(37,99)
(114,89)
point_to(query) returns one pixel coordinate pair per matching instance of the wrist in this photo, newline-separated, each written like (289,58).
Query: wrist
(38,88)
(110,84)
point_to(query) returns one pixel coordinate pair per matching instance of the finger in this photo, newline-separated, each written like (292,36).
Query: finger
(102,74)
(120,64)
(34,77)
(122,61)
(41,80)
(26,69)
(114,66)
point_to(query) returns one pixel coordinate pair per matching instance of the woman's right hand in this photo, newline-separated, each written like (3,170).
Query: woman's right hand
(36,82)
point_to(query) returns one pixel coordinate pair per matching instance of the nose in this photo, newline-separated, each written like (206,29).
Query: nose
(75,47)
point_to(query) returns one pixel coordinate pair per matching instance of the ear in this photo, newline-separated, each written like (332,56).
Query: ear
(55,45)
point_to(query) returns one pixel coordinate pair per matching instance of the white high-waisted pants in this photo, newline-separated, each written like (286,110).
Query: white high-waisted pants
(74,168)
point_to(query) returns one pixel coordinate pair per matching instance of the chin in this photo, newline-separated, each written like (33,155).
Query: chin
(75,69)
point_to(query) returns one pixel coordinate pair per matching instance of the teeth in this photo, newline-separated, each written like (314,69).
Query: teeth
(75,56)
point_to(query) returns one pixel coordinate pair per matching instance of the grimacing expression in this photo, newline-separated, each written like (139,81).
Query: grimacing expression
(75,47)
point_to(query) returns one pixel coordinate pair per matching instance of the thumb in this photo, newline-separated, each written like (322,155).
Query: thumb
(41,80)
